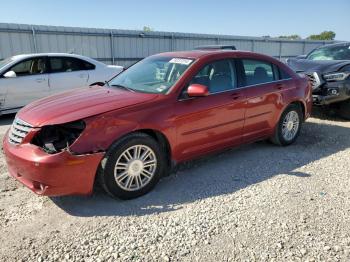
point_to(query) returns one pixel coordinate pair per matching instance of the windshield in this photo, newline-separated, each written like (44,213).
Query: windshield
(341,52)
(5,62)
(152,75)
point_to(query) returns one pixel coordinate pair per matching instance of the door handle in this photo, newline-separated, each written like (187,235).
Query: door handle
(235,96)
(279,86)
(82,75)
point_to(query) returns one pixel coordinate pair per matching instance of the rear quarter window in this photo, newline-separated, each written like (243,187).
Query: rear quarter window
(283,74)
(88,66)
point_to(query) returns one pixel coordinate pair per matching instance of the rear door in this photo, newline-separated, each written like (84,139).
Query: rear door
(67,73)
(29,84)
(259,80)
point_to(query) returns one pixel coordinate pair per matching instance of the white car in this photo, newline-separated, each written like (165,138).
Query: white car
(25,78)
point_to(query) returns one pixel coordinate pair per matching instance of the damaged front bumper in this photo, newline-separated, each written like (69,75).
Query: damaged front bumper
(46,174)
(332,92)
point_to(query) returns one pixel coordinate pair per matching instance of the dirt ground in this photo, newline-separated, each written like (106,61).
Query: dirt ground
(258,202)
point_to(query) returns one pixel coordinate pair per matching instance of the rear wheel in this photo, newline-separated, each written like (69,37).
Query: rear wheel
(289,126)
(132,167)
(344,109)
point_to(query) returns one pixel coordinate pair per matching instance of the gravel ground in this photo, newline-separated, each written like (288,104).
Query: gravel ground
(258,202)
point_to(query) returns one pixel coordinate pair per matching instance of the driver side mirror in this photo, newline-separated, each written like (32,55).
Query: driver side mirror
(10,74)
(197,90)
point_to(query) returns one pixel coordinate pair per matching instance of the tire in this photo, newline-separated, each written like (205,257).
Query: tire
(131,178)
(344,110)
(280,136)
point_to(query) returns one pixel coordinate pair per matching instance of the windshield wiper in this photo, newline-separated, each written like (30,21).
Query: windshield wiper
(122,87)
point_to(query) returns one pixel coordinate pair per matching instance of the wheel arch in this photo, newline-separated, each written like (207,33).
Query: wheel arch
(295,102)
(301,105)
(157,135)
(161,139)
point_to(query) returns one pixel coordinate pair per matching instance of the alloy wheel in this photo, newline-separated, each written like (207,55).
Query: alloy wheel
(135,167)
(290,125)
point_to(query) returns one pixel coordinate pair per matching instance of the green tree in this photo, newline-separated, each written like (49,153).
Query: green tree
(290,37)
(325,35)
(147,29)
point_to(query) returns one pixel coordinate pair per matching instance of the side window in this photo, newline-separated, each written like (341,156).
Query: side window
(257,72)
(56,64)
(68,64)
(87,65)
(218,76)
(280,73)
(30,67)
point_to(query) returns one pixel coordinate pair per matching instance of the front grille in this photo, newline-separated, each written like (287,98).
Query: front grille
(314,79)
(18,131)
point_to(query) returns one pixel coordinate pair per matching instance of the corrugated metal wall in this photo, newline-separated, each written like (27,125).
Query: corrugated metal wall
(124,47)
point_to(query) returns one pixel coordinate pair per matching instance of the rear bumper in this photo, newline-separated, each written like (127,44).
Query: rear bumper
(51,175)
(332,92)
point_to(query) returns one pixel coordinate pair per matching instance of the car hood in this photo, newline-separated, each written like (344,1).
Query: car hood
(322,66)
(78,104)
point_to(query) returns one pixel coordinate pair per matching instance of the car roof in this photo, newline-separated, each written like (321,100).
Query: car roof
(195,54)
(212,54)
(335,44)
(24,56)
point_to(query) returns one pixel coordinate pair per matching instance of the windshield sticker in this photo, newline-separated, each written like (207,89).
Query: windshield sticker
(181,61)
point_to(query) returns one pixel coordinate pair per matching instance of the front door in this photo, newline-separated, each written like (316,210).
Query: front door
(30,82)
(208,123)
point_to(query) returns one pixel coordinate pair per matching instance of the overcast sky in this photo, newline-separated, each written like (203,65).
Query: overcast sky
(248,18)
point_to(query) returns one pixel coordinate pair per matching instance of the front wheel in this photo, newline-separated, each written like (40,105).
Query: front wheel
(132,167)
(288,127)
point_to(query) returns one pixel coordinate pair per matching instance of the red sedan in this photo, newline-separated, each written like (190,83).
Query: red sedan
(165,109)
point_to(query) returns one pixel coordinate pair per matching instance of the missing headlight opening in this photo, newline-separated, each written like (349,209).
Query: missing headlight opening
(55,138)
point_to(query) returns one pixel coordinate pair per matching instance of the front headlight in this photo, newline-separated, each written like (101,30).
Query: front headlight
(55,138)
(336,76)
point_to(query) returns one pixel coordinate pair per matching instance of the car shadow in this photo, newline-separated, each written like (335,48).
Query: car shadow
(327,113)
(215,175)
